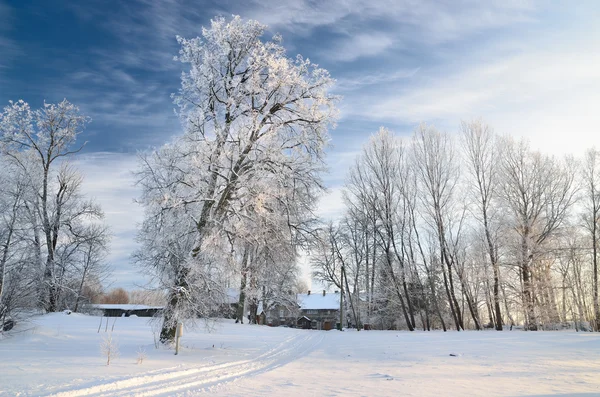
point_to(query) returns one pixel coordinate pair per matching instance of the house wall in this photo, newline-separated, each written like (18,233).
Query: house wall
(281,315)
(322,319)
(127,313)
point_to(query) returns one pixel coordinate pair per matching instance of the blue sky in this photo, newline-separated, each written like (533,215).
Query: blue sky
(529,68)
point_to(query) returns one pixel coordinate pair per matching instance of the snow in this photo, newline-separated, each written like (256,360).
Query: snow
(318,301)
(108,306)
(59,355)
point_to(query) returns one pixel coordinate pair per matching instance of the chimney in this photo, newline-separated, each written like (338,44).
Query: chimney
(323,292)
(308,292)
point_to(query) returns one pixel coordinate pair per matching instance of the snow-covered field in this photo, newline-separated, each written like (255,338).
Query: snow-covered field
(59,355)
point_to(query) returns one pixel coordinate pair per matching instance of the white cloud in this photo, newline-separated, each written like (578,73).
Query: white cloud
(331,204)
(438,21)
(108,179)
(548,95)
(361,45)
(357,81)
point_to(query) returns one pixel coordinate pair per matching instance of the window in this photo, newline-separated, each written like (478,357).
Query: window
(280,312)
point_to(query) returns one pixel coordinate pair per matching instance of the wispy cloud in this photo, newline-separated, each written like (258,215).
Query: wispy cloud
(433,21)
(439,17)
(358,46)
(145,29)
(540,94)
(353,81)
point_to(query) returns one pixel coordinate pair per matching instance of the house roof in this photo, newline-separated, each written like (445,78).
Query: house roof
(122,306)
(260,309)
(317,301)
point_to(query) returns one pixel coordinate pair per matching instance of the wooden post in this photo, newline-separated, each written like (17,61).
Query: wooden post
(178,334)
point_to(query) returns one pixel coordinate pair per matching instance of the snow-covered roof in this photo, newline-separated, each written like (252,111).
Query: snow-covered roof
(316,301)
(122,306)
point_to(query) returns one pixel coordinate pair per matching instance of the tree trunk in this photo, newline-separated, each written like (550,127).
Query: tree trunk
(170,319)
(357,324)
(498,316)
(239,315)
(450,300)
(469,300)
(595,270)
(528,297)
(79,292)
(4,258)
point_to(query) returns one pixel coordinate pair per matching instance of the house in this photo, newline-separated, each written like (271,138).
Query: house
(322,309)
(126,310)
(280,312)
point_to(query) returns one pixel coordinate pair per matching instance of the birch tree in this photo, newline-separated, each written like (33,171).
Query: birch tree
(482,162)
(438,173)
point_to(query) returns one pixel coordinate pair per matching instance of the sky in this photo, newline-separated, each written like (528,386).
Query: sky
(530,69)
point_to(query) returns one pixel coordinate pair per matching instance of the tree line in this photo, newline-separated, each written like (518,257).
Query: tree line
(466,231)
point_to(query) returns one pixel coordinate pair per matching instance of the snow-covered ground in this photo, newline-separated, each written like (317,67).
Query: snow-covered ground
(59,355)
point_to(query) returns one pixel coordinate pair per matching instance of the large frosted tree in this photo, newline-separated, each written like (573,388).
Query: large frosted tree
(255,129)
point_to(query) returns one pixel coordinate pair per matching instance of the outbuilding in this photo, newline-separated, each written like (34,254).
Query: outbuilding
(126,310)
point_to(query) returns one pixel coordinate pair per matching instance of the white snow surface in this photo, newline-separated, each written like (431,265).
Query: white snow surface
(59,355)
(122,306)
(318,301)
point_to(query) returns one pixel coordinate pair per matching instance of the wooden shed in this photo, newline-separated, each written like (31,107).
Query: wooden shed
(304,323)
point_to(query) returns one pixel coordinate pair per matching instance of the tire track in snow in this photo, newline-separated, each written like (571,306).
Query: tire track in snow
(196,378)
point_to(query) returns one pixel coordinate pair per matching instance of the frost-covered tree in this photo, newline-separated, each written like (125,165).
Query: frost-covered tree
(482,158)
(538,190)
(12,201)
(255,128)
(53,212)
(438,174)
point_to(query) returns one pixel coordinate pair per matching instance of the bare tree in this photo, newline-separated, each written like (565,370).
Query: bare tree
(438,175)
(482,161)
(538,190)
(91,261)
(11,203)
(591,217)
(48,135)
